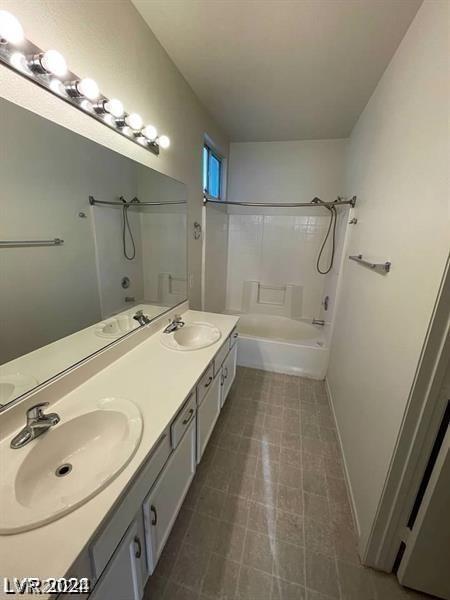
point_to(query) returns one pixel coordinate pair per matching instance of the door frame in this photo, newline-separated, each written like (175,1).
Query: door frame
(423,415)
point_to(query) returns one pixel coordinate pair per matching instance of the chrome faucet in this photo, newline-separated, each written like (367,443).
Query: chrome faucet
(320,322)
(141,318)
(177,323)
(37,424)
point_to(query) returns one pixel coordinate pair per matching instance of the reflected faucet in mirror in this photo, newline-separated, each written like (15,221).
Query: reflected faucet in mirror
(37,424)
(141,318)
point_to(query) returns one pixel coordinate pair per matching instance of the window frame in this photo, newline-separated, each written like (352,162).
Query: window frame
(211,152)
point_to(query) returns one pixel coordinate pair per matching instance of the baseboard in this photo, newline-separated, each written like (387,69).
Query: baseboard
(346,474)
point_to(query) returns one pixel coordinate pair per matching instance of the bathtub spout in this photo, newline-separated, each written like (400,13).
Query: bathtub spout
(320,322)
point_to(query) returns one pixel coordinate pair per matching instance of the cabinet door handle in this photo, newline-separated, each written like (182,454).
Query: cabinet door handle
(235,335)
(222,380)
(155,515)
(138,550)
(226,372)
(209,381)
(189,416)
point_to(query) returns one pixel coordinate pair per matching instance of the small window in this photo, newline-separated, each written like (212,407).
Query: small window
(212,173)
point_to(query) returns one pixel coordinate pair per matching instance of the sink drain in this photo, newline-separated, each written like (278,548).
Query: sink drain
(63,470)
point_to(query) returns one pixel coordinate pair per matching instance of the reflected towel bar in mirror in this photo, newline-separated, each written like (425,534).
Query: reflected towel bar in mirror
(32,243)
(384,267)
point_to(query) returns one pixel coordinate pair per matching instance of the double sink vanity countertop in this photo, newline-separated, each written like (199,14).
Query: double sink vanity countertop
(157,380)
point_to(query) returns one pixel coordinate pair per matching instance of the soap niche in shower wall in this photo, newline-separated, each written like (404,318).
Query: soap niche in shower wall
(282,300)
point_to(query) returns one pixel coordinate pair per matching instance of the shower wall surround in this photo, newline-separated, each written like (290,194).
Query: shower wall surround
(280,246)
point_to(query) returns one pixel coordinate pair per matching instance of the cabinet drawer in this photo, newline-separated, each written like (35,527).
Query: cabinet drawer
(233,337)
(182,421)
(205,383)
(221,356)
(107,541)
(207,415)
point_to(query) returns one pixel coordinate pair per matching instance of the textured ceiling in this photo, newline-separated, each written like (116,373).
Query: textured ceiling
(281,69)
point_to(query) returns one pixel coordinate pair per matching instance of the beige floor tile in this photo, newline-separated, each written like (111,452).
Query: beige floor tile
(253,584)
(290,476)
(355,582)
(265,492)
(230,541)
(314,482)
(290,528)
(258,551)
(235,510)
(290,499)
(190,567)
(262,518)
(321,574)
(175,591)
(221,579)
(210,502)
(319,537)
(202,531)
(316,507)
(284,590)
(289,562)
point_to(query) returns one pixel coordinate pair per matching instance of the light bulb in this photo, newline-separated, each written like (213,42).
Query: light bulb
(88,88)
(19,61)
(53,62)
(134,121)
(57,86)
(11,30)
(150,132)
(164,141)
(114,107)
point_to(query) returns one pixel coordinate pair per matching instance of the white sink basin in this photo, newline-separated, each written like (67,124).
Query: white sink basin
(116,327)
(67,465)
(192,336)
(13,385)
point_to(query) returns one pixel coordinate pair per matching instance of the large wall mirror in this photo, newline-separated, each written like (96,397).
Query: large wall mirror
(73,271)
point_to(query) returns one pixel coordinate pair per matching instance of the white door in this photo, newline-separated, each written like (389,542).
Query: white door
(123,578)
(425,565)
(228,374)
(165,499)
(207,415)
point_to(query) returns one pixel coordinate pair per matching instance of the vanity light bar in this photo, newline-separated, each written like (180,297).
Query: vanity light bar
(49,70)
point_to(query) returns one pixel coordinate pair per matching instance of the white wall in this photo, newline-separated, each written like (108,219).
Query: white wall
(280,246)
(398,168)
(110,42)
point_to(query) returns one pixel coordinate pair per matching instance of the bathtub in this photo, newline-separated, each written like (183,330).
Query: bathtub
(283,345)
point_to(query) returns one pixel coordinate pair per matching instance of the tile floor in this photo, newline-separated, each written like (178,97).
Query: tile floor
(267,516)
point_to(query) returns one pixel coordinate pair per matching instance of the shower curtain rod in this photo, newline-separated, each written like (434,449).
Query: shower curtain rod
(136,203)
(314,202)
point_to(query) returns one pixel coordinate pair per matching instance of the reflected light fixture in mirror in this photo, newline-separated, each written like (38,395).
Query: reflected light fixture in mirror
(49,70)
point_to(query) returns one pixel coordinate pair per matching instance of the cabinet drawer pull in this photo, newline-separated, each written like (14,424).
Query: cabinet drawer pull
(189,416)
(137,543)
(209,381)
(155,515)
(235,335)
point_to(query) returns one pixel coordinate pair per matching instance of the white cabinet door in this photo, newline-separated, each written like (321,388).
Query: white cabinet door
(207,415)
(228,374)
(124,577)
(164,501)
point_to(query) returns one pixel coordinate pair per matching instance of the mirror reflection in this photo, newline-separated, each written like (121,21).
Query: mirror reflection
(98,239)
